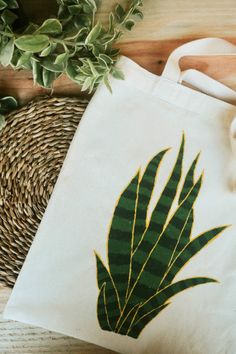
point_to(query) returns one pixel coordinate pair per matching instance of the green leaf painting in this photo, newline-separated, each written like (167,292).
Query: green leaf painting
(145,254)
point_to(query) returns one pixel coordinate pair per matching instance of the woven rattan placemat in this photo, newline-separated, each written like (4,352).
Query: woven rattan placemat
(33,146)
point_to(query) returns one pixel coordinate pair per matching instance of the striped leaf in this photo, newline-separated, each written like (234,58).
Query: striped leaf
(145,192)
(158,218)
(190,251)
(185,235)
(165,202)
(164,295)
(154,266)
(144,259)
(140,324)
(110,293)
(102,311)
(187,229)
(189,180)
(158,302)
(128,321)
(120,238)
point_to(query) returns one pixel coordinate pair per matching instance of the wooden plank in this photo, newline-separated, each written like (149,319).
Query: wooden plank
(163,19)
(151,55)
(149,43)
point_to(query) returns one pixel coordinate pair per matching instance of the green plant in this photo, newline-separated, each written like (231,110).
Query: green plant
(7,104)
(144,256)
(74,42)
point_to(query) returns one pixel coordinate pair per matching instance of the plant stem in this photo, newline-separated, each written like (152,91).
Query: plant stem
(68,43)
(9,35)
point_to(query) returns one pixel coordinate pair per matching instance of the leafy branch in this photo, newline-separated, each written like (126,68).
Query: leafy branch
(74,43)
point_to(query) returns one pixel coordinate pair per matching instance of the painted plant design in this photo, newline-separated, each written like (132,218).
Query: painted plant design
(144,256)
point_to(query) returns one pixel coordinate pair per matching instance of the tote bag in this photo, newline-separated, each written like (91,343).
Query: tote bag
(136,250)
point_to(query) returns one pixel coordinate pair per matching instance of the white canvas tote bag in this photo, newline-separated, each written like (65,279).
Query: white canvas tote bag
(136,250)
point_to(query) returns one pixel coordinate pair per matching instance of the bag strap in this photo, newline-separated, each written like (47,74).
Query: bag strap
(204,83)
(207,85)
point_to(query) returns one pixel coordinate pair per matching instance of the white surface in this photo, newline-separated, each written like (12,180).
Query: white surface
(57,287)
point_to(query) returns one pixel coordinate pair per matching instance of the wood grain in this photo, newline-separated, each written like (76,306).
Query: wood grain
(163,19)
(151,55)
(166,25)
(149,44)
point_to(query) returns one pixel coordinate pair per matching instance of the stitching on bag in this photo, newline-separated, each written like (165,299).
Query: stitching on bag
(226,109)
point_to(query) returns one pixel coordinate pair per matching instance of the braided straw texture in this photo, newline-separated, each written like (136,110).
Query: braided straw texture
(33,146)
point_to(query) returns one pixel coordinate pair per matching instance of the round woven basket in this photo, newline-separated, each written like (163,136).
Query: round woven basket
(33,146)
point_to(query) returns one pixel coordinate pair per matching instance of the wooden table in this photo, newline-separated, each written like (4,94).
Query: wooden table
(167,24)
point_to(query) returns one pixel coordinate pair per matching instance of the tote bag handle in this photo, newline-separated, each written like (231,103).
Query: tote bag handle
(205,46)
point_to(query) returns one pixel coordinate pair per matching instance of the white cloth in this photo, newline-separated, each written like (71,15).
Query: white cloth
(119,133)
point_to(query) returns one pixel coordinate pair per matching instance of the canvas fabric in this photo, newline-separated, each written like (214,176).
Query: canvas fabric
(136,250)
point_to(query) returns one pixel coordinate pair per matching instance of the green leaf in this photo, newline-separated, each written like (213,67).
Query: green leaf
(120,238)
(87,84)
(191,249)
(129,24)
(94,33)
(3,5)
(117,73)
(37,72)
(111,22)
(71,71)
(124,328)
(31,28)
(47,51)
(142,322)
(24,58)
(185,234)
(92,67)
(74,9)
(144,196)
(136,3)
(12,4)
(89,7)
(189,180)
(102,311)
(49,64)
(138,13)
(143,278)
(6,53)
(164,295)
(107,83)
(159,215)
(106,59)
(152,307)
(75,29)
(50,26)
(113,52)
(62,58)
(147,280)
(119,12)
(48,78)
(32,43)
(164,204)
(8,17)
(111,298)
(8,104)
